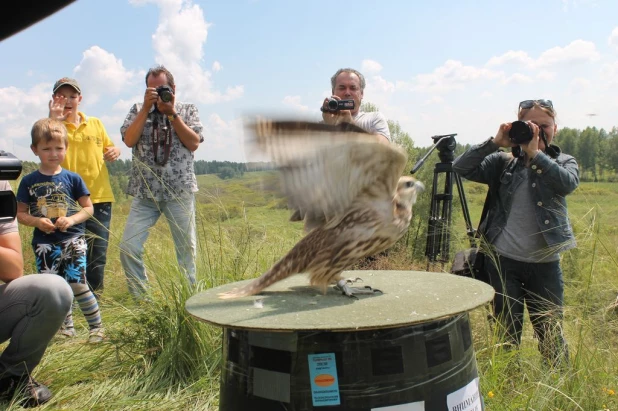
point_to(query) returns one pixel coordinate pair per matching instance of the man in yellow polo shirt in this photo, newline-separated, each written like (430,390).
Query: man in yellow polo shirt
(89,148)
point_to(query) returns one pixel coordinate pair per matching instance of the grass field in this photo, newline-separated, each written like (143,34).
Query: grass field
(158,358)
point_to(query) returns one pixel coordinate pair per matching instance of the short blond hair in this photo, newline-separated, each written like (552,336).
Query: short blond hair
(48,129)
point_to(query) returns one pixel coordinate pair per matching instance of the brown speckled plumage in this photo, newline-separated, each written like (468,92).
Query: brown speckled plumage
(348,189)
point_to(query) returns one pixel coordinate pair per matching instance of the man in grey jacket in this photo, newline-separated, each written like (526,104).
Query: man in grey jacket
(527,225)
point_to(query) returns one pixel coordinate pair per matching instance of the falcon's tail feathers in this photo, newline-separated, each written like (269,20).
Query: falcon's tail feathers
(291,264)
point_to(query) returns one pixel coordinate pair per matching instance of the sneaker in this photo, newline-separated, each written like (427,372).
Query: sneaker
(32,392)
(96,335)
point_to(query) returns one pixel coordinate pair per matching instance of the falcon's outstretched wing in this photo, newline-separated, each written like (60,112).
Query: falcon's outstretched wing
(325,168)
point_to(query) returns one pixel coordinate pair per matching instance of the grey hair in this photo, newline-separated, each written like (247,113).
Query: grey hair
(333,79)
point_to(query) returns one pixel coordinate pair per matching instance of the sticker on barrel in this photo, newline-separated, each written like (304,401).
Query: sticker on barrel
(324,383)
(467,398)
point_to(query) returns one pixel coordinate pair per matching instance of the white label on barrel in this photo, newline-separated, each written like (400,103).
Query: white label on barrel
(467,398)
(324,383)
(411,406)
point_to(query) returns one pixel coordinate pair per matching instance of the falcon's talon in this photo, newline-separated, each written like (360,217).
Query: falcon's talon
(353,280)
(342,285)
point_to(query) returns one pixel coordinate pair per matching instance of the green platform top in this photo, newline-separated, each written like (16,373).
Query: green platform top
(409,298)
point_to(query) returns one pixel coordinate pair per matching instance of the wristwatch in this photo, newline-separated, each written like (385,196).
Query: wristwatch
(172,117)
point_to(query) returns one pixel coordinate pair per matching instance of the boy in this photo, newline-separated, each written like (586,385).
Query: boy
(89,149)
(56,202)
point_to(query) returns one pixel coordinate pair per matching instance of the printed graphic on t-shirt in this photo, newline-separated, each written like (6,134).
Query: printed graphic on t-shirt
(51,200)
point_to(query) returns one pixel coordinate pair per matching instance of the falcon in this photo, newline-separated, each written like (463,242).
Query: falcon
(348,189)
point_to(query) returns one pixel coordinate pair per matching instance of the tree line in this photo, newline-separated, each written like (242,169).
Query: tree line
(596,151)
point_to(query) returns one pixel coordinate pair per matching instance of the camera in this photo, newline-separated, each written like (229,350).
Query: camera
(521,132)
(165,93)
(333,105)
(10,169)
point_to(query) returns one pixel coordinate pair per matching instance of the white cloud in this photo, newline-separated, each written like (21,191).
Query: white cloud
(511,57)
(294,102)
(578,85)
(545,75)
(101,72)
(378,83)
(578,51)
(178,43)
(222,139)
(517,78)
(613,39)
(452,75)
(574,4)
(124,105)
(370,67)
(609,74)
(434,100)
(19,109)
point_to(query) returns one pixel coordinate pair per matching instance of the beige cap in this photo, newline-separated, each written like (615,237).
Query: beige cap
(65,81)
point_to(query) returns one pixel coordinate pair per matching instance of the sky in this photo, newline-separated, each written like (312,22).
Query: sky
(435,67)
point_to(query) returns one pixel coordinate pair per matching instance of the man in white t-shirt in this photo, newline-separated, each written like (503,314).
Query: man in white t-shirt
(349,84)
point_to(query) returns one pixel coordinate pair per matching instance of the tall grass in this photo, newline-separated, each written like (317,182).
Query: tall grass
(157,357)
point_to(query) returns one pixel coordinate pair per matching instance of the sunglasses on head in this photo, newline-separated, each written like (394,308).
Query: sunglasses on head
(530,103)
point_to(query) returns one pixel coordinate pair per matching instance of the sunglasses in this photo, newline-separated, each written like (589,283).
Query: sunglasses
(530,103)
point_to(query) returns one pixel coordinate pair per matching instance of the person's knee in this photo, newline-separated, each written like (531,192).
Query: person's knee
(52,291)
(130,249)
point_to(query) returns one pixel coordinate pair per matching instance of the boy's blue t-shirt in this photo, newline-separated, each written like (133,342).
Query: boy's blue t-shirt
(52,197)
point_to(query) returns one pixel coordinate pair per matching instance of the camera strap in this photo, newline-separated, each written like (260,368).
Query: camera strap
(166,142)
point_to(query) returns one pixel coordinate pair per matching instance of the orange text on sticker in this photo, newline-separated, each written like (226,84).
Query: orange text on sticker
(324,380)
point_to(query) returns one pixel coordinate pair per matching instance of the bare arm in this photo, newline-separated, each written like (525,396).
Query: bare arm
(187,136)
(42,223)
(11,259)
(134,131)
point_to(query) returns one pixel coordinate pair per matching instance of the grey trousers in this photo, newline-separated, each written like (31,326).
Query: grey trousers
(32,309)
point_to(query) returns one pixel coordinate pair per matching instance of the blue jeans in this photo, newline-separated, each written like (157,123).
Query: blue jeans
(180,215)
(541,288)
(97,234)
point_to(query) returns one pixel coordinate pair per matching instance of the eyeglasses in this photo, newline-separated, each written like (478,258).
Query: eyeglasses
(530,103)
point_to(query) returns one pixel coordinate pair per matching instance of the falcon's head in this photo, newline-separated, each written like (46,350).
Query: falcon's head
(407,190)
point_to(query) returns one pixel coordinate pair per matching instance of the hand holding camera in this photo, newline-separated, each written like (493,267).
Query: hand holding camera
(150,98)
(335,110)
(520,133)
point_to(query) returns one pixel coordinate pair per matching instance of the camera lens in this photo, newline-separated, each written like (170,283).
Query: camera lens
(166,96)
(520,132)
(333,104)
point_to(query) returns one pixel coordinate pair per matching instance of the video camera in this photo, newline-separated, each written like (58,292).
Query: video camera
(333,105)
(10,169)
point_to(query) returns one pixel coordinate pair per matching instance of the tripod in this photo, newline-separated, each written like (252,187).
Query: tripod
(439,226)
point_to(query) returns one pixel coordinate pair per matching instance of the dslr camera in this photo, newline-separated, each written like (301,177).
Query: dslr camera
(334,105)
(521,132)
(165,93)
(10,169)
